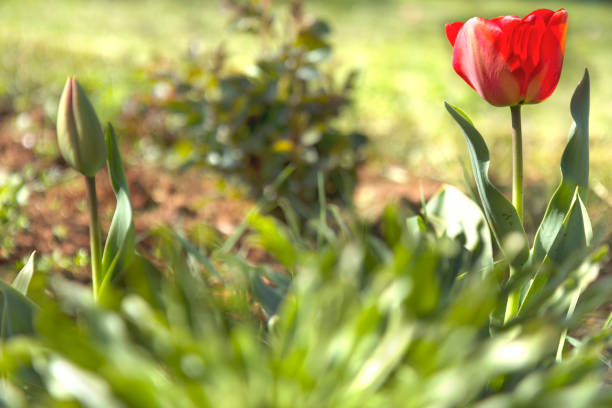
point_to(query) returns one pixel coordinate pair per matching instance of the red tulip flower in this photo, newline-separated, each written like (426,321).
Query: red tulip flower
(510,60)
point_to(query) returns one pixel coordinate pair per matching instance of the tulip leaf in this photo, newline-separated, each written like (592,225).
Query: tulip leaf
(272,236)
(269,294)
(500,213)
(453,214)
(23,278)
(416,227)
(573,237)
(144,279)
(199,256)
(17,312)
(119,246)
(575,234)
(575,175)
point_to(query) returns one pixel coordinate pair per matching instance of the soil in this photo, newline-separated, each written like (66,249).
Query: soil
(58,218)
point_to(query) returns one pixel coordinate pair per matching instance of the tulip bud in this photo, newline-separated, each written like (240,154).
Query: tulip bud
(79,134)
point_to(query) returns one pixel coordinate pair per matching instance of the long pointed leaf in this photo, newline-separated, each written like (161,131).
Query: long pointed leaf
(574,171)
(573,237)
(119,245)
(199,256)
(23,278)
(453,214)
(270,297)
(16,312)
(575,233)
(500,213)
(274,238)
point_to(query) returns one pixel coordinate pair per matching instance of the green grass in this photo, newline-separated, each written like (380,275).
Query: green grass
(399,47)
(105,43)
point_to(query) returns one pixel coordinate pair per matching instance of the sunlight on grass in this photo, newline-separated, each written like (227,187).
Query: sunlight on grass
(399,47)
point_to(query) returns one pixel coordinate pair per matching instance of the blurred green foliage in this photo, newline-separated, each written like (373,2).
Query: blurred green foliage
(14,193)
(282,112)
(404,313)
(392,316)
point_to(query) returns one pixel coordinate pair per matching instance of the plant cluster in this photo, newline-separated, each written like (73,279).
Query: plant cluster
(280,112)
(417,311)
(398,317)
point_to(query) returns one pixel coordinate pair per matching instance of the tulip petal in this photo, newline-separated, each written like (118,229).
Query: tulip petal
(510,60)
(518,41)
(91,145)
(477,60)
(545,78)
(557,25)
(452,30)
(507,24)
(535,42)
(545,14)
(66,126)
(542,84)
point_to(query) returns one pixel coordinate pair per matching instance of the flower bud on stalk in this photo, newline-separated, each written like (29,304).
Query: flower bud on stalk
(81,142)
(79,133)
(511,61)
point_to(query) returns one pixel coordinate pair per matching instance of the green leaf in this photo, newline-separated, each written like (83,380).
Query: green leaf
(573,237)
(454,215)
(575,175)
(143,278)
(274,238)
(17,312)
(500,213)
(387,355)
(270,295)
(261,203)
(416,226)
(199,256)
(23,278)
(119,246)
(11,395)
(575,234)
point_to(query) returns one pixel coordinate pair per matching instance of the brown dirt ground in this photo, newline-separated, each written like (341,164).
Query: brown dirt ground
(159,197)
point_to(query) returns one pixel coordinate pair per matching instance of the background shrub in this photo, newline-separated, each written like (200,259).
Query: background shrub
(281,112)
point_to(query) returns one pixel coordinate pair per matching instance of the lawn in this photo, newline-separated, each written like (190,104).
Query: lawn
(398,47)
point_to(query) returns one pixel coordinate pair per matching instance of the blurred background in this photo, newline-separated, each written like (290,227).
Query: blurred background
(398,49)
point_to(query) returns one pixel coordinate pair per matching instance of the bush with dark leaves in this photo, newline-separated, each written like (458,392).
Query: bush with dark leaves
(280,113)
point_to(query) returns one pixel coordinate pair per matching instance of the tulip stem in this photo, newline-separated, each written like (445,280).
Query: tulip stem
(514,298)
(95,235)
(517,160)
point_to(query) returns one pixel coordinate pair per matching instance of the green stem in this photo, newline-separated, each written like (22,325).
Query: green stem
(95,235)
(514,302)
(517,160)
(570,312)
(514,298)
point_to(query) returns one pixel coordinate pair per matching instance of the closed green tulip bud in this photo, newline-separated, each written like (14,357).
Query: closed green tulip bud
(79,134)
